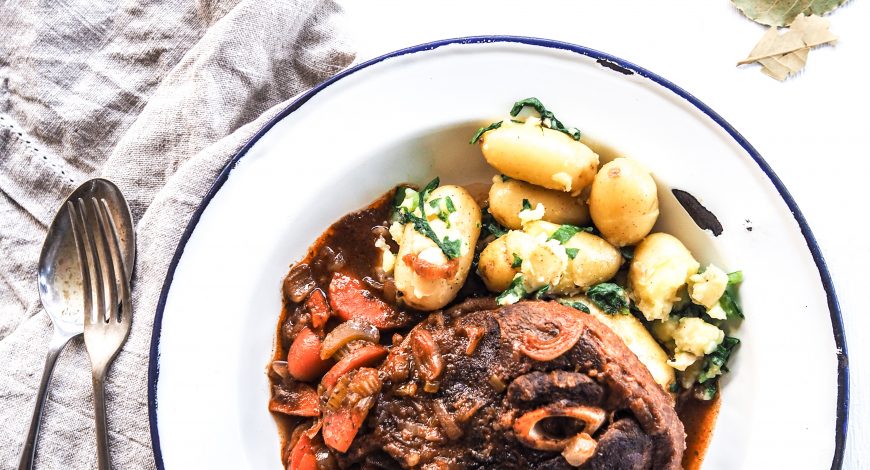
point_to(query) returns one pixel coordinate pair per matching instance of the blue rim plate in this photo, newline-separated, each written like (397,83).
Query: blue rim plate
(605,60)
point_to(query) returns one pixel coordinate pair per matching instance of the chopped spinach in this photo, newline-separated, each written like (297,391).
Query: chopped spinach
(480,131)
(548,119)
(715,362)
(609,297)
(735,278)
(706,391)
(728,301)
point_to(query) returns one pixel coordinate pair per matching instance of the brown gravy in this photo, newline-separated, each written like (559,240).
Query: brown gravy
(354,236)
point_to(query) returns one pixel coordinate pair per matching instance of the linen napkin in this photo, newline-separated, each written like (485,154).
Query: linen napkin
(156,96)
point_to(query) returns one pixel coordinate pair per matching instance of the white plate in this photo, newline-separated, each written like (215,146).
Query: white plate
(407,117)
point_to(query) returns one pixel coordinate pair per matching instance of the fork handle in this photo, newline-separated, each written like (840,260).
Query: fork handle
(28,451)
(104,460)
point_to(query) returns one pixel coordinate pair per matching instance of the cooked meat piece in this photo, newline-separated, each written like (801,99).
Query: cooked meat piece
(624,445)
(531,385)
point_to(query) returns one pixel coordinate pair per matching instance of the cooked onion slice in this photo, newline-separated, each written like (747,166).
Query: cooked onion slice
(542,338)
(354,329)
(427,355)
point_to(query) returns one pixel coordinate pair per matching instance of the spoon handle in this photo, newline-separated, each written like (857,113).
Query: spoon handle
(28,451)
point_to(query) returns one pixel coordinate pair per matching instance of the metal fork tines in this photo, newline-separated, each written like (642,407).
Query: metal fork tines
(107,303)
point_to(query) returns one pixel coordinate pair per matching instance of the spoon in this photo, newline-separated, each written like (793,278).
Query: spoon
(60,289)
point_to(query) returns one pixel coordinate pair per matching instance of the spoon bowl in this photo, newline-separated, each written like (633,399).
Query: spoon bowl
(59,276)
(59,279)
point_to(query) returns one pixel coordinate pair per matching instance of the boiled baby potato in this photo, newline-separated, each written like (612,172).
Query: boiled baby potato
(623,203)
(638,340)
(539,155)
(498,265)
(596,261)
(425,277)
(506,201)
(545,261)
(659,270)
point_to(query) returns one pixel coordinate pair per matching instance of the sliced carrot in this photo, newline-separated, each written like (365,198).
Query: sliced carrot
(299,400)
(363,357)
(318,308)
(303,358)
(341,425)
(302,456)
(349,299)
(339,429)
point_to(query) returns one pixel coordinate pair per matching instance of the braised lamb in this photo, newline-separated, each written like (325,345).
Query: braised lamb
(531,385)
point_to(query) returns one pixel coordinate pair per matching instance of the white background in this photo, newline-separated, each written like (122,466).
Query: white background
(812,129)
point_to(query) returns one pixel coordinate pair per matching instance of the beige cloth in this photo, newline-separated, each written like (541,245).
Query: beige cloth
(156,96)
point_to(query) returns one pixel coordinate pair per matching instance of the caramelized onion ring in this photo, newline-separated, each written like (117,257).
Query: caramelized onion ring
(353,329)
(542,338)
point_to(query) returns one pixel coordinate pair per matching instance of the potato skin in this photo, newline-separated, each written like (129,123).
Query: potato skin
(623,203)
(495,264)
(540,156)
(660,268)
(506,202)
(431,294)
(597,261)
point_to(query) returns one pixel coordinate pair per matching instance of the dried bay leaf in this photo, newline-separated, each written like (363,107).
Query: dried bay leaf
(783,12)
(782,55)
(823,7)
(783,66)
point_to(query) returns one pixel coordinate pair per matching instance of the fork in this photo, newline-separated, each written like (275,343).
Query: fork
(105,286)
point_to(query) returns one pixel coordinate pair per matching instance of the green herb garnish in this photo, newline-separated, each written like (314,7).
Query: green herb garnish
(517,262)
(527,206)
(514,293)
(540,293)
(548,119)
(572,252)
(490,224)
(575,304)
(565,232)
(449,203)
(480,131)
(450,248)
(609,297)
